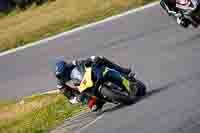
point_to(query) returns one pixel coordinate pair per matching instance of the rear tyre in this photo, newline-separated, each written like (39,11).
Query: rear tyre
(116,96)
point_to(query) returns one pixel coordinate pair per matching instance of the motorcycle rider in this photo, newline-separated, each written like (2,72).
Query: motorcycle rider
(68,87)
(171,7)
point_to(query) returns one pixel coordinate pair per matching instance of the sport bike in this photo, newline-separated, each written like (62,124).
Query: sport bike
(103,83)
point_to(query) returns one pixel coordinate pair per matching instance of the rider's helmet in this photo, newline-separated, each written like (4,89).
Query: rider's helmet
(63,70)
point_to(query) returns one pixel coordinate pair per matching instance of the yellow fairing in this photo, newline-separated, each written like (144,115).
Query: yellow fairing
(87,80)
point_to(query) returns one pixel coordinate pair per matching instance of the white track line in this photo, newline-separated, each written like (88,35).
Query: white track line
(78,29)
(89,124)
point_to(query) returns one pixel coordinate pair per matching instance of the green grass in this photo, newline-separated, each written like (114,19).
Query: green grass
(2,14)
(36,114)
(21,27)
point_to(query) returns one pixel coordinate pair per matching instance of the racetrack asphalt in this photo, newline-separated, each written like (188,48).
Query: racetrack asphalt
(166,58)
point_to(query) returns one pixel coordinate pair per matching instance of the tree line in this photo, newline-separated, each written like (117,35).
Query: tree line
(22,4)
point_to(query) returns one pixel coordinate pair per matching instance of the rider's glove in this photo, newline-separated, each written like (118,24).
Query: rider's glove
(97,59)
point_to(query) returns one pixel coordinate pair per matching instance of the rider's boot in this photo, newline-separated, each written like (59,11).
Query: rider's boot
(127,72)
(115,66)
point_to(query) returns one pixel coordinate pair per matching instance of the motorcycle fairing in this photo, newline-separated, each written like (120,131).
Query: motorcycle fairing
(86,81)
(183,2)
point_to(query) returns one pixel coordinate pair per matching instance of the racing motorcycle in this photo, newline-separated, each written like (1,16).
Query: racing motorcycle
(93,80)
(189,13)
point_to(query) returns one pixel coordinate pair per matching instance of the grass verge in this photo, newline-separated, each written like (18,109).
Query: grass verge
(36,114)
(19,28)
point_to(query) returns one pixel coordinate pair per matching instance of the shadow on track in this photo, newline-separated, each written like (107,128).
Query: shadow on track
(154,92)
(149,94)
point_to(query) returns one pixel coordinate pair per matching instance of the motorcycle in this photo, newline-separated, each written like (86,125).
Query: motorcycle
(91,79)
(189,13)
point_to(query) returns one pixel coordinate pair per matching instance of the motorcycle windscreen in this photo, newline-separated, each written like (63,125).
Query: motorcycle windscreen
(182,2)
(76,76)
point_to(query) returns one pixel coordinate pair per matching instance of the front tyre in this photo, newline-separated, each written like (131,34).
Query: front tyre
(116,96)
(141,89)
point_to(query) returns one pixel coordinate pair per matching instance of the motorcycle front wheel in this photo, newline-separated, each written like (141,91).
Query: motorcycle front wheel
(116,96)
(141,88)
